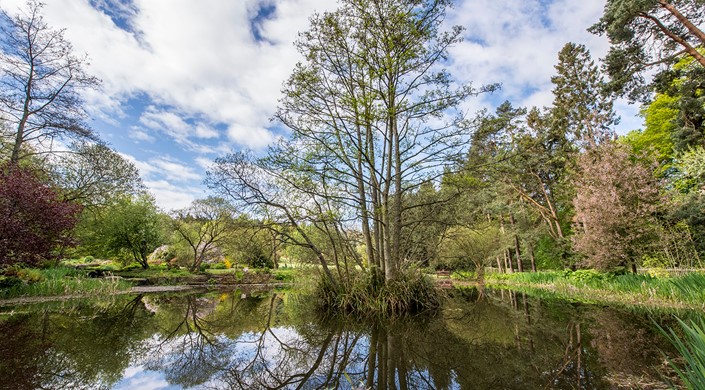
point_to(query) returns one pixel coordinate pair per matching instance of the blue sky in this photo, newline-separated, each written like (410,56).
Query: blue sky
(187,81)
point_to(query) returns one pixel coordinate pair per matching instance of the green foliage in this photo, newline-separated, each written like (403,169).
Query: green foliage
(470,248)
(58,281)
(613,287)
(690,170)
(29,275)
(94,175)
(581,110)
(285,275)
(584,275)
(550,252)
(129,230)
(690,286)
(644,34)
(660,122)
(691,346)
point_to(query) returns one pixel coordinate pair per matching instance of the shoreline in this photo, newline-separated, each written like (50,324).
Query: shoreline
(134,290)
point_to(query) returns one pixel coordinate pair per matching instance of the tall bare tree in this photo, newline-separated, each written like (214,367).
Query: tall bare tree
(41,80)
(373,116)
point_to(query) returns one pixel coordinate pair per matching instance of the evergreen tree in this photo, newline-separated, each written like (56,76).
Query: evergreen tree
(645,34)
(580,107)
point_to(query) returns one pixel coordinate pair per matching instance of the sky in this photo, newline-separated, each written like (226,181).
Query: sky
(185,82)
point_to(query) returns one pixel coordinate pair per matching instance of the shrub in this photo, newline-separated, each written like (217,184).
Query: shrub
(585,275)
(33,219)
(30,275)
(131,267)
(7,282)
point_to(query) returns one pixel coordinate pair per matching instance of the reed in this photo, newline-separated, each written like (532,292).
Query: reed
(691,346)
(366,294)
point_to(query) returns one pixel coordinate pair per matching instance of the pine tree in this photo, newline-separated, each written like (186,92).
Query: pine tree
(580,107)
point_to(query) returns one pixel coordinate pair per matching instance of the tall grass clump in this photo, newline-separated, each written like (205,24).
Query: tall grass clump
(365,294)
(691,346)
(690,287)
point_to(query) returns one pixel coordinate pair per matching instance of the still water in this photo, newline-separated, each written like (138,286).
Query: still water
(264,340)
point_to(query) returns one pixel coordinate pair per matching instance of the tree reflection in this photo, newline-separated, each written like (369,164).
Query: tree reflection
(42,350)
(227,340)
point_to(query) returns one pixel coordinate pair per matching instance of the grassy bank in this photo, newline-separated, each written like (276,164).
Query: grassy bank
(109,279)
(57,281)
(658,290)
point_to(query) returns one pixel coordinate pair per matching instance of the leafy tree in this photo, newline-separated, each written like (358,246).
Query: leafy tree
(40,83)
(645,33)
(34,221)
(94,175)
(683,84)
(203,226)
(616,199)
(131,226)
(428,216)
(659,124)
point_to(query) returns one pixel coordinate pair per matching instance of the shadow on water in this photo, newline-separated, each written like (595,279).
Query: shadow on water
(233,340)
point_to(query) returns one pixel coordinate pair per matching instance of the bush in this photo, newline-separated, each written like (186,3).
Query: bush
(30,275)
(584,275)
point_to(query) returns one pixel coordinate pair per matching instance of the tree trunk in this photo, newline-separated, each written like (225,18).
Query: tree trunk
(520,267)
(531,256)
(508,260)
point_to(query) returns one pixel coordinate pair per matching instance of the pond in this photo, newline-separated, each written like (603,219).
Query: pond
(262,340)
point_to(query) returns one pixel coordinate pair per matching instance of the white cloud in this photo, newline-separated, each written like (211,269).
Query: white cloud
(138,134)
(173,184)
(212,86)
(174,171)
(204,163)
(172,197)
(199,57)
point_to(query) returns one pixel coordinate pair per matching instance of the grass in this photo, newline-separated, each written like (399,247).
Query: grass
(644,290)
(68,280)
(691,347)
(365,294)
(57,281)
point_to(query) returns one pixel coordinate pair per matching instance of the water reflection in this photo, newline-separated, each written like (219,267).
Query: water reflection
(494,340)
